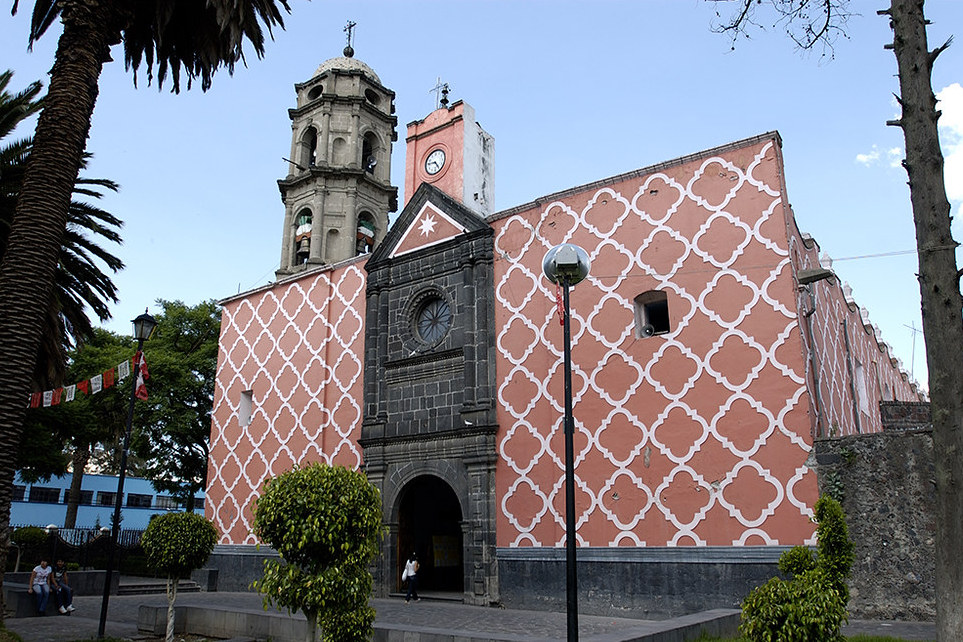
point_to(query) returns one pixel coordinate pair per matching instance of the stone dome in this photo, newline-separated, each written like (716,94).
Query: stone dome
(347,64)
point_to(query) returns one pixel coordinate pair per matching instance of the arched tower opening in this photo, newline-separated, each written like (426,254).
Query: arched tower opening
(366,232)
(302,236)
(370,153)
(309,148)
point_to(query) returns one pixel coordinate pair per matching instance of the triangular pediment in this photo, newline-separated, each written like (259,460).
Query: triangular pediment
(430,218)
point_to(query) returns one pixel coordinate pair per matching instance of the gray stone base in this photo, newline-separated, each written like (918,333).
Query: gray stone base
(643,583)
(639,583)
(236,566)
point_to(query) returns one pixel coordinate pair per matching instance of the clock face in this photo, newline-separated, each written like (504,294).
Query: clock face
(435,161)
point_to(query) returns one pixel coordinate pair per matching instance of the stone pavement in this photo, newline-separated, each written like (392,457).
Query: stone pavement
(440,617)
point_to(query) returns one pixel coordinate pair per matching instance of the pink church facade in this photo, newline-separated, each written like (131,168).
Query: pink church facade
(704,366)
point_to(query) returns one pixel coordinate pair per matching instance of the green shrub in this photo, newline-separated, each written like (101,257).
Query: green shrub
(29,536)
(325,522)
(178,543)
(811,604)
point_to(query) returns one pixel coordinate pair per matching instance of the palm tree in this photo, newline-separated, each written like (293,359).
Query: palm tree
(81,283)
(196,38)
(80,279)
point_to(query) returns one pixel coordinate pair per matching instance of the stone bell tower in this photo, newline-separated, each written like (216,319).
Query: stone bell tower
(338,193)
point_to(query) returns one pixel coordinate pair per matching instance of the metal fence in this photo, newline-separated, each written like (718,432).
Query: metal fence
(87,547)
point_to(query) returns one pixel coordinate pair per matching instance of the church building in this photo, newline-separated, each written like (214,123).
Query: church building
(711,346)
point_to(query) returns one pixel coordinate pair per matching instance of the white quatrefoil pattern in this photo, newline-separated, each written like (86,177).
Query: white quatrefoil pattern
(295,350)
(698,436)
(694,437)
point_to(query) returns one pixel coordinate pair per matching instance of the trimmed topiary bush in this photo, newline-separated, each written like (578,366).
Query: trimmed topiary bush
(176,544)
(811,605)
(325,523)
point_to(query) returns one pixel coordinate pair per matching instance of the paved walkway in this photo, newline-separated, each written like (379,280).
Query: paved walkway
(499,623)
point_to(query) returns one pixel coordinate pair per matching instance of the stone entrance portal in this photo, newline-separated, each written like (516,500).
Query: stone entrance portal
(429,524)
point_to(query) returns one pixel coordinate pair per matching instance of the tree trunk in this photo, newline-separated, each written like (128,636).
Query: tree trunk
(311,628)
(78,462)
(36,235)
(942,303)
(171,596)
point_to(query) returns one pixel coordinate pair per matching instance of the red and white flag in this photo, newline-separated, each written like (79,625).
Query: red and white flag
(142,375)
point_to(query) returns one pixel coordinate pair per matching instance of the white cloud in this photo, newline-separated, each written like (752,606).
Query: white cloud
(868,159)
(951,139)
(895,155)
(892,157)
(951,136)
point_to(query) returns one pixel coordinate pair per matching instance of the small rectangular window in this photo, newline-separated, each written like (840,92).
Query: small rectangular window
(244,408)
(105,498)
(44,495)
(198,503)
(86,497)
(139,501)
(166,502)
(651,314)
(19,493)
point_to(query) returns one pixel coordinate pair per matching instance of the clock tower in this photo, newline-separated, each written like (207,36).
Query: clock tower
(337,194)
(450,150)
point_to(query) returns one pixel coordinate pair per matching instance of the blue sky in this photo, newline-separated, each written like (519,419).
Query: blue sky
(571,91)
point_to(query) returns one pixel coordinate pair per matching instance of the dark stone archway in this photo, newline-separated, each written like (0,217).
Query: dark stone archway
(429,524)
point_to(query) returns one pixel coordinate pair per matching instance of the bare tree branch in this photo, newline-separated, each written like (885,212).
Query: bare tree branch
(808,23)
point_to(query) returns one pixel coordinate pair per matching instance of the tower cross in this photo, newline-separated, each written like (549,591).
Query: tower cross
(349,29)
(441,93)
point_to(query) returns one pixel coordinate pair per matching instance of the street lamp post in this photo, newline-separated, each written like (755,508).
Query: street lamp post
(53,530)
(143,328)
(566,265)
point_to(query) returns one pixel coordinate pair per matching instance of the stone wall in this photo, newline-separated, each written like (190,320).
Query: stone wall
(887,485)
(652,583)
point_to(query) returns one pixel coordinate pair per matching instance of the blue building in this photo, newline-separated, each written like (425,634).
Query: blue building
(45,503)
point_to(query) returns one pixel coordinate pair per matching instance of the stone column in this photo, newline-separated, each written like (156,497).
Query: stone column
(317,229)
(287,238)
(324,148)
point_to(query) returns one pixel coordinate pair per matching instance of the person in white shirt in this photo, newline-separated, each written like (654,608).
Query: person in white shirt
(411,576)
(40,585)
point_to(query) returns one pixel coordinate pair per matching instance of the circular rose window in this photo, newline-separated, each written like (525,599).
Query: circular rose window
(433,320)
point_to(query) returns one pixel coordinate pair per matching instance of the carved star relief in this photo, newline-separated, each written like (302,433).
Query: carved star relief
(427,225)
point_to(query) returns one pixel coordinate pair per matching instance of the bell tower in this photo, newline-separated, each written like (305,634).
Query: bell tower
(338,193)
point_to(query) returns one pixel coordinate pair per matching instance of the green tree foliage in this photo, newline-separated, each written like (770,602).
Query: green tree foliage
(176,544)
(170,430)
(27,540)
(811,605)
(325,522)
(174,432)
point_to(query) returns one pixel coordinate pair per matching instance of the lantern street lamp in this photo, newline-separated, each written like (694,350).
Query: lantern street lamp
(143,329)
(566,265)
(53,530)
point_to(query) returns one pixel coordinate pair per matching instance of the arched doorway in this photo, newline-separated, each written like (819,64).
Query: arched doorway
(429,523)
